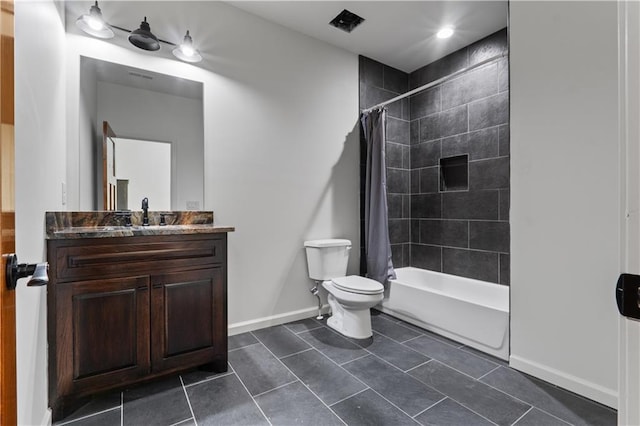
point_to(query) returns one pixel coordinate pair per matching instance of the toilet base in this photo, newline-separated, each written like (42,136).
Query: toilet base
(354,323)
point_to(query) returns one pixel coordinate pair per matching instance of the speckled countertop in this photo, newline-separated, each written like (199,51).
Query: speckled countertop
(107,224)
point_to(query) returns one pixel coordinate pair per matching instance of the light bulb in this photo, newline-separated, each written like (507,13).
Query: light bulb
(95,24)
(445,32)
(187,50)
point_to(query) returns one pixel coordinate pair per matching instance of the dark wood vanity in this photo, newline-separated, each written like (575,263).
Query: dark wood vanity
(125,309)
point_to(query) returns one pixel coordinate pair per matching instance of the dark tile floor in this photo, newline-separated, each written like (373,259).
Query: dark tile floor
(304,373)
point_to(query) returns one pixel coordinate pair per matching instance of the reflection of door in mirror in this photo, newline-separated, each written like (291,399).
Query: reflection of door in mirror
(134,169)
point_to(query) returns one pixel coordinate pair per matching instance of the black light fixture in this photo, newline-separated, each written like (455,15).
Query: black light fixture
(186,52)
(143,38)
(93,23)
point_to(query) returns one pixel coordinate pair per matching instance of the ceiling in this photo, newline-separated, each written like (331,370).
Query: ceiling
(397,33)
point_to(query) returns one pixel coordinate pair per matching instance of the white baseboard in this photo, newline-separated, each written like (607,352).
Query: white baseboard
(258,323)
(608,397)
(47,420)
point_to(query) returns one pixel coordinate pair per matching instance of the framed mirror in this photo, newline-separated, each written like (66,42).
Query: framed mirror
(152,119)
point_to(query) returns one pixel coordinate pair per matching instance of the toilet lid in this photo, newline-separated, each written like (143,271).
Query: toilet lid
(357,284)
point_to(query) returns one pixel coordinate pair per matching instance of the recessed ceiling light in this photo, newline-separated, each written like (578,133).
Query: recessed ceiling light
(445,32)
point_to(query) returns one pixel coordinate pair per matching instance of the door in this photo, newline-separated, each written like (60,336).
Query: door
(8,410)
(629,95)
(188,319)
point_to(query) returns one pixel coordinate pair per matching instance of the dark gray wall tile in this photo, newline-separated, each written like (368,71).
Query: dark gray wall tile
(488,47)
(393,153)
(482,399)
(438,69)
(406,206)
(415,181)
(452,233)
(369,408)
(430,127)
(425,206)
(395,80)
(397,131)
(471,86)
(407,393)
(431,232)
(398,181)
(406,156)
(399,230)
(504,204)
(394,206)
(327,380)
(429,180)
(470,205)
(490,236)
(374,95)
(505,269)
(301,404)
(414,130)
(425,154)
(504,140)
(491,111)
(455,145)
(480,265)
(415,230)
(503,75)
(484,143)
(453,121)
(371,72)
(492,173)
(426,257)
(406,254)
(425,103)
(406,109)
(397,255)
(449,412)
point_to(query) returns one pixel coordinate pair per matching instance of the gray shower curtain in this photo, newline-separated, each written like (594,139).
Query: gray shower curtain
(376,229)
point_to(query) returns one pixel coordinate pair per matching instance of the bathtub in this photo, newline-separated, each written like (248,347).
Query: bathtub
(474,313)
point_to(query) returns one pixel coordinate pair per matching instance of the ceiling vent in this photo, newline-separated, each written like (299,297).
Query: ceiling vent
(346,21)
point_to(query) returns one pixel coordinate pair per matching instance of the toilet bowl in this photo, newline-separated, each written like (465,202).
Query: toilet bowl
(350,297)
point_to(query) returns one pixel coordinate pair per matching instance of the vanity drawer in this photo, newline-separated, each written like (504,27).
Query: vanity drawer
(138,255)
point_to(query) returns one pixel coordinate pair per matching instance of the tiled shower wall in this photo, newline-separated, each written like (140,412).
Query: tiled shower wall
(464,231)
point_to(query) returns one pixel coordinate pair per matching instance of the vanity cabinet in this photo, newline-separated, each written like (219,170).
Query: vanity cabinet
(127,309)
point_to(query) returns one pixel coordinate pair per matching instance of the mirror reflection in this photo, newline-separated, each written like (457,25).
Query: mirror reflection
(141,135)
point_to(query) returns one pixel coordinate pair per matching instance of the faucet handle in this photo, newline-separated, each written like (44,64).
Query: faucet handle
(126,215)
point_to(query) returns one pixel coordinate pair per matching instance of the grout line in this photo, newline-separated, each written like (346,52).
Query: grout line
(208,379)
(350,396)
(305,385)
(486,374)
(355,359)
(276,388)
(184,421)
(420,365)
(249,393)
(243,347)
(524,414)
(310,348)
(431,406)
(70,422)
(184,389)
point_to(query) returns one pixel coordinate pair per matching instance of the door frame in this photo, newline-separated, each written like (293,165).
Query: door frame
(629,144)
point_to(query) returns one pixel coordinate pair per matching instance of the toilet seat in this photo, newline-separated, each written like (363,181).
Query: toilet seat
(358,284)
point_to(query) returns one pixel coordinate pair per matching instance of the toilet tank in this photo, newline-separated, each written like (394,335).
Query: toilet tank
(327,259)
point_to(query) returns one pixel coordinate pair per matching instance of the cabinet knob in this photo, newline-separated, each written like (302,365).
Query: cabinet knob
(14,271)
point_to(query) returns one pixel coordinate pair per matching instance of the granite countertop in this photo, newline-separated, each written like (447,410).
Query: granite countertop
(107,224)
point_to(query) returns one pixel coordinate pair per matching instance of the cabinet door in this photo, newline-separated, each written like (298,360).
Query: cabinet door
(189,320)
(103,333)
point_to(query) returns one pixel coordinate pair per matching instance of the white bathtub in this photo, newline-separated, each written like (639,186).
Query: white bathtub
(472,312)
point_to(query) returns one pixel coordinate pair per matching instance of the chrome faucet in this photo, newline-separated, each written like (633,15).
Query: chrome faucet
(145,211)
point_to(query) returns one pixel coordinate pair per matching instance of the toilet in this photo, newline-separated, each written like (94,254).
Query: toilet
(350,297)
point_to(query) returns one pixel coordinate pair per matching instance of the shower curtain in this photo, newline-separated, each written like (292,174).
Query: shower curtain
(376,228)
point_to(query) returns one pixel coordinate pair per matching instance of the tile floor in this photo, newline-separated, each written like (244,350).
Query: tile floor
(304,373)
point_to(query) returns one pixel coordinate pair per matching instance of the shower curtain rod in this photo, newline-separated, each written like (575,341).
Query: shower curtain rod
(435,82)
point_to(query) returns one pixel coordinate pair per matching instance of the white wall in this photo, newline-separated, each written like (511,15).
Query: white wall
(144,114)
(40,171)
(281,149)
(565,194)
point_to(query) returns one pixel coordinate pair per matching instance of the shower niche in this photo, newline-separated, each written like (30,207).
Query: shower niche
(454,173)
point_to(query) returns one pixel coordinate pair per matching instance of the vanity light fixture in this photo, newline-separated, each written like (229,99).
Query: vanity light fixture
(186,52)
(93,23)
(143,38)
(445,32)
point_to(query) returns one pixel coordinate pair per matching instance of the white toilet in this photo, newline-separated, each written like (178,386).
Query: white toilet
(350,297)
